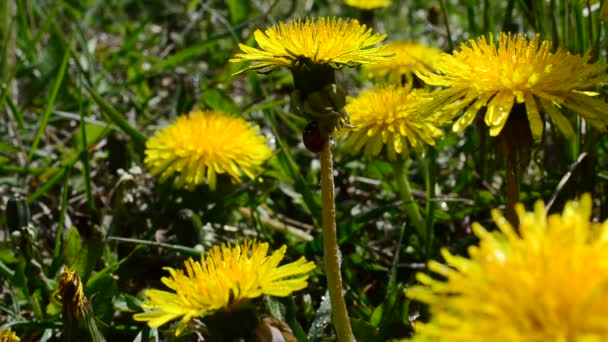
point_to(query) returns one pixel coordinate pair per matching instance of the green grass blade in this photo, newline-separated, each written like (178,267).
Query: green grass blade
(84,155)
(116,117)
(51,101)
(51,182)
(57,258)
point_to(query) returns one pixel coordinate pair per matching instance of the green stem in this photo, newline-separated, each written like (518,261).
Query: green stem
(541,18)
(7,38)
(553,20)
(431,176)
(446,21)
(564,17)
(508,20)
(330,248)
(512,190)
(579,24)
(489,25)
(410,206)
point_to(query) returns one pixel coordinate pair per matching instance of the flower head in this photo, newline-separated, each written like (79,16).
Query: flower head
(322,41)
(390,116)
(368,4)
(204,144)
(410,58)
(8,336)
(547,283)
(227,277)
(518,71)
(70,292)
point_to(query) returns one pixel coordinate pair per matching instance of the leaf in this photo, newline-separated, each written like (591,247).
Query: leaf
(274,307)
(389,315)
(50,103)
(93,133)
(217,99)
(363,330)
(116,117)
(290,318)
(239,10)
(322,319)
(72,247)
(101,296)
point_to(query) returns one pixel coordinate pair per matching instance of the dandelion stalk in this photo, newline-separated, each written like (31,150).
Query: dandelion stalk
(311,50)
(410,206)
(330,248)
(512,188)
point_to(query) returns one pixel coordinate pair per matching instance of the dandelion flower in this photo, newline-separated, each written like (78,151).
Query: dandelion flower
(226,278)
(70,292)
(8,336)
(390,116)
(325,41)
(547,283)
(368,4)
(518,72)
(204,144)
(410,59)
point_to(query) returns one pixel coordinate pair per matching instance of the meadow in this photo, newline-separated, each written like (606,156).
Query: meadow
(314,170)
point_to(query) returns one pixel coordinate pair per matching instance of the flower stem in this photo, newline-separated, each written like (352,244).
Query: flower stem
(410,206)
(512,185)
(446,21)
(330,248)
(430,180)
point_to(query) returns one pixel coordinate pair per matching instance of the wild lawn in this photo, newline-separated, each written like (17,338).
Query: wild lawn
(303,170)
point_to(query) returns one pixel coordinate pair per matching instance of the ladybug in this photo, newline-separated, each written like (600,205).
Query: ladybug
(312,137)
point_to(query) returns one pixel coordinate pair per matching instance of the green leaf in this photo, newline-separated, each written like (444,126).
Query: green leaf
(322,318)
(89,254)
(50,102)
(72,247)
(116,117)
(93,132)
(363,330)
(274,307)
(239,10)
(217,99)
(102,295)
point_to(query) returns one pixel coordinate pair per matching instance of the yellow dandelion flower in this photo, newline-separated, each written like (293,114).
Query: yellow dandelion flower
(390,116)
(547,283)
(8,336)
(518,71)
(70,292)
(411,58)
(226,277)
(204,144)
(368,4)
(325,41)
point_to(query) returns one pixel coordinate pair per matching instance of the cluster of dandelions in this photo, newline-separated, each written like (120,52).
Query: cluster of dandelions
(514,73)
(545,283)
(512,287)
(226,279)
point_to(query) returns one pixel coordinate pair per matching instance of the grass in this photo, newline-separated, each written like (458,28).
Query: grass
(83,84)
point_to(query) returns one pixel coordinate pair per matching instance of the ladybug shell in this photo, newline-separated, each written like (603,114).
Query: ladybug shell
(312,137)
